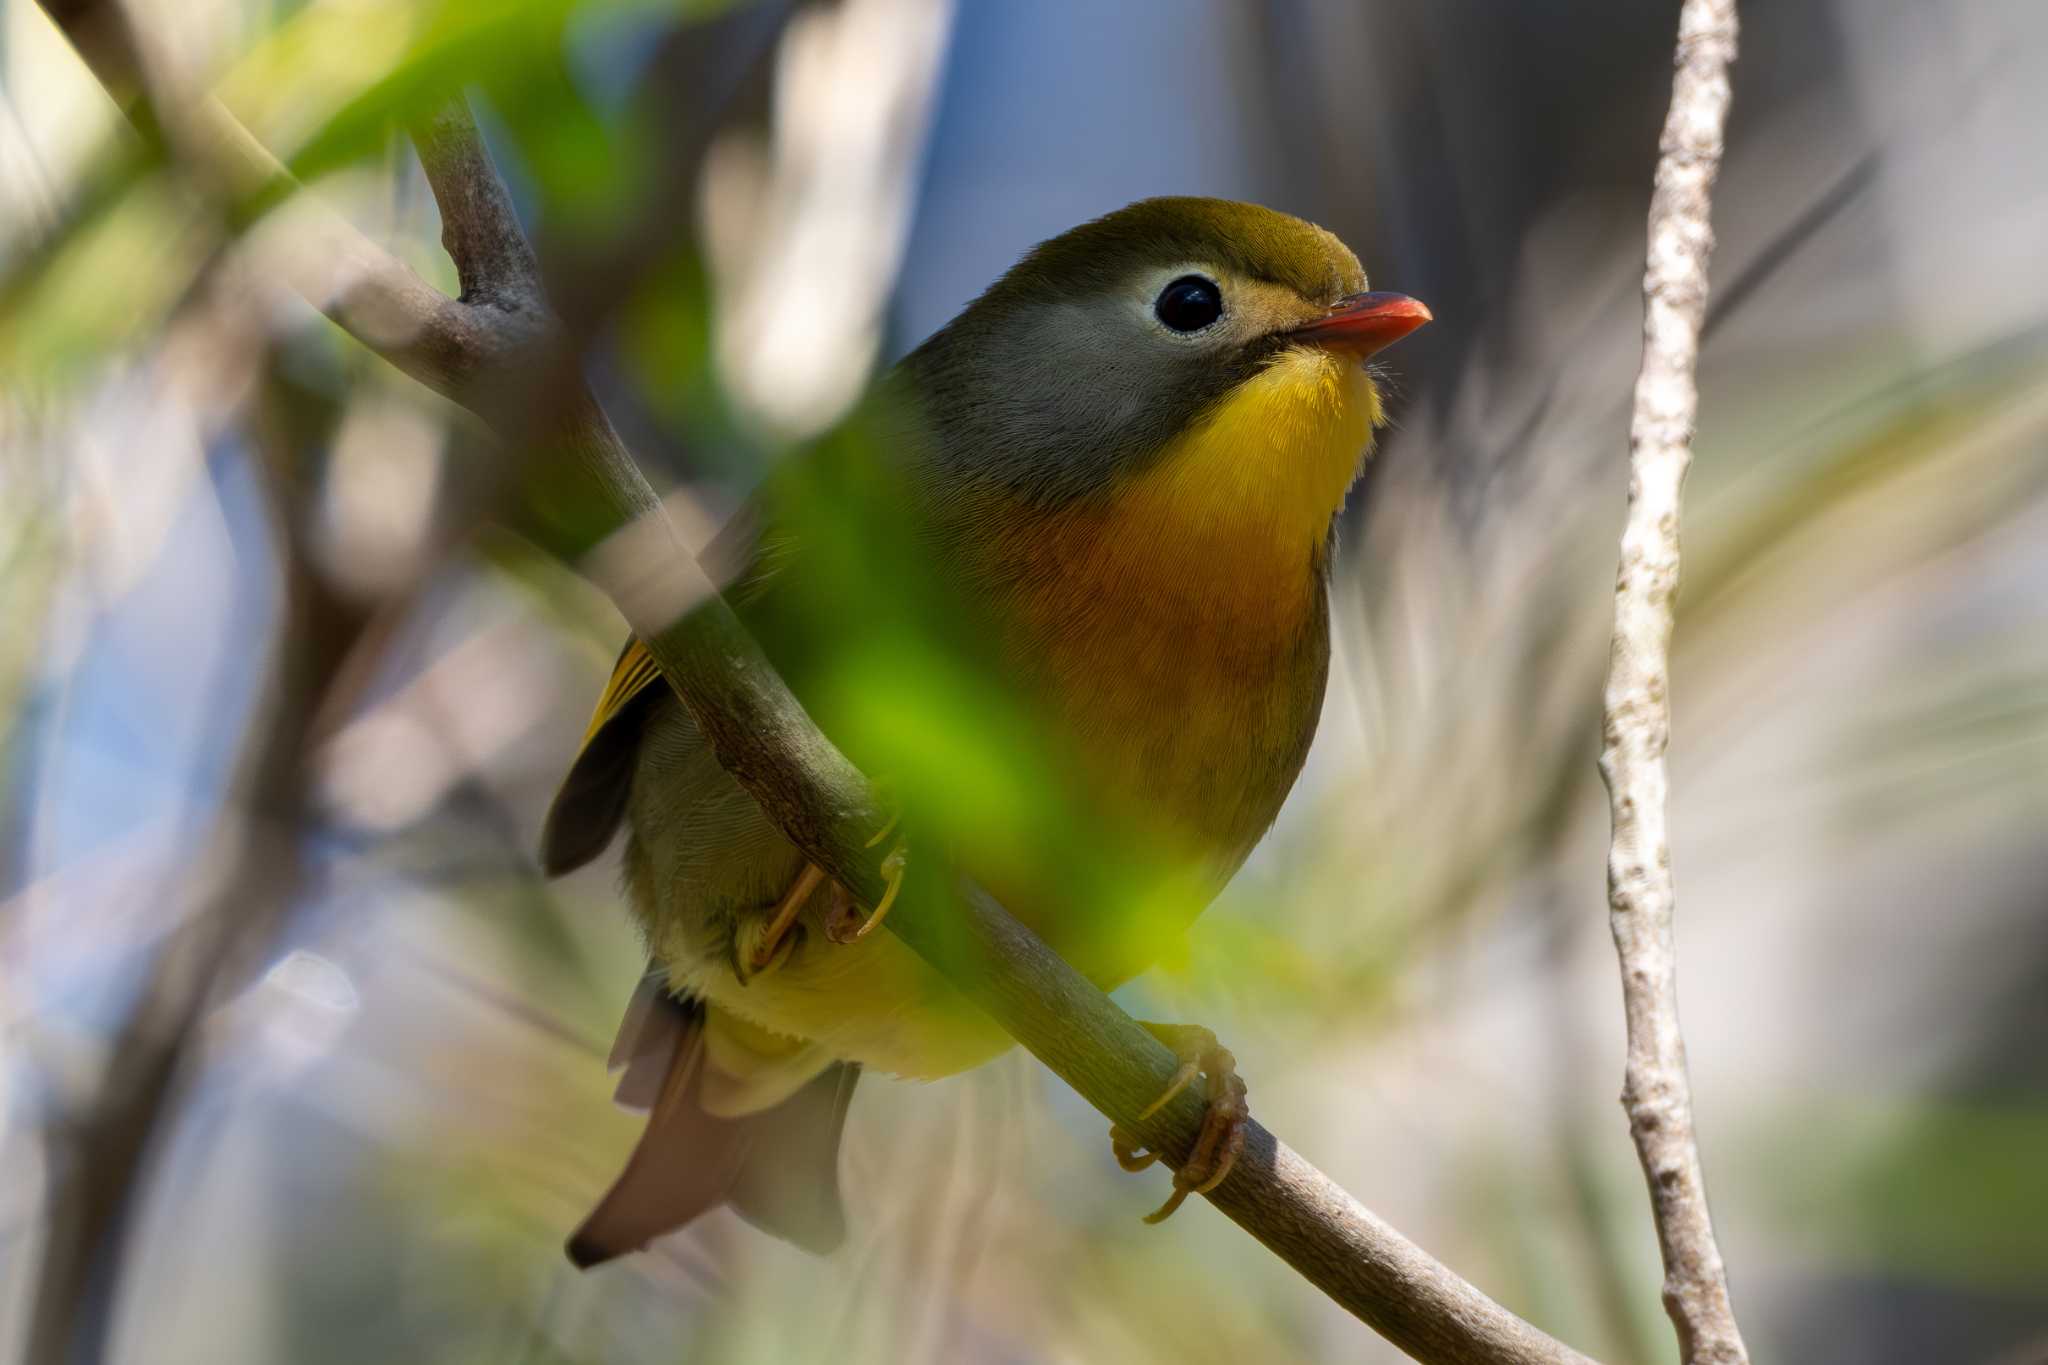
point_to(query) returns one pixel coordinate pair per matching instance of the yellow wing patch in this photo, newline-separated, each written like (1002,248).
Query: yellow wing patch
(633,674)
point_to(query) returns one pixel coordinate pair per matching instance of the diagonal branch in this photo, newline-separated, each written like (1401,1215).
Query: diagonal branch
(1656,1092)
(486,343)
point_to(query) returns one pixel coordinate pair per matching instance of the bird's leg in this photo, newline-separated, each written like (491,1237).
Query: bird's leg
(1223,1123)
(771,949)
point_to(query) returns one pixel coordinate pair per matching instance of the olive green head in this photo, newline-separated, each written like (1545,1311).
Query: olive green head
(1107,342)
(1245,243)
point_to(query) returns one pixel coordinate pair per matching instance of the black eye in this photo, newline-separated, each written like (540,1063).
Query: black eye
(1189,304)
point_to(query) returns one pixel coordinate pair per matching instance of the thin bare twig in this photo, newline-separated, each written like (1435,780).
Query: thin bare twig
(1637,729)
(496,333)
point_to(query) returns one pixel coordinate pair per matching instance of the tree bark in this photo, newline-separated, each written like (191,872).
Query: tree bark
(1637,712)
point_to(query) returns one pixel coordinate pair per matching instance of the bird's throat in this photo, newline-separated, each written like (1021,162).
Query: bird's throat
(1210,554)
(1260,476)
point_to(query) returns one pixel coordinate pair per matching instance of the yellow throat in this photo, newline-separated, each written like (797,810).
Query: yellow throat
(1259,478)
(1219,538)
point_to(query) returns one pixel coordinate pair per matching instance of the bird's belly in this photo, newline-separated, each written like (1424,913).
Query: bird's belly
(875,1002)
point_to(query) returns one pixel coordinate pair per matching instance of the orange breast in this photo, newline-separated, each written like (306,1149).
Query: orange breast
(1184,680)
(1177,623)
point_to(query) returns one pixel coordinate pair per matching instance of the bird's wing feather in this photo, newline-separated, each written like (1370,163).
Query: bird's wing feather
(634,673)
(591,801)
(592,798)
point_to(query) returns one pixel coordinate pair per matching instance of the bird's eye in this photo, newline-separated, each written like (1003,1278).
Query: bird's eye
(1189,304)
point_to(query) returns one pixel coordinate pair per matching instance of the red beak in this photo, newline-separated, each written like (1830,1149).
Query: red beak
(1362,325)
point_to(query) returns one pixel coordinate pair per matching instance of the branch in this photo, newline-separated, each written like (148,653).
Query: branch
(362,288)
(824,806)
(1656,1093)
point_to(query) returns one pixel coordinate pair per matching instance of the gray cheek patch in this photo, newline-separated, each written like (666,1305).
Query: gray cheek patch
(1068,397)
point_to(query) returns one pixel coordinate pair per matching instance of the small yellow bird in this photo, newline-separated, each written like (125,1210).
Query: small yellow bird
(1128,456)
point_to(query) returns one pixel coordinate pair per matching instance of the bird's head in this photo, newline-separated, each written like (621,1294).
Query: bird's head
(1175,328)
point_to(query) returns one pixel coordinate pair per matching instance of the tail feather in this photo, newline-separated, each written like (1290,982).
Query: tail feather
(778,1168)
(656,1028)
(788,1184)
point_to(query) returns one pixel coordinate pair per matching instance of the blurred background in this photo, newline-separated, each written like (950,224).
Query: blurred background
(303,1053)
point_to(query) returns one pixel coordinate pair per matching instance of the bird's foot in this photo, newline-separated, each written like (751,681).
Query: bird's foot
(847,923)
(764,944)
(760,946)
(1223,1124)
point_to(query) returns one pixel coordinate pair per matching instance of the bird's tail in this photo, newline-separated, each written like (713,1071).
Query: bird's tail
(778,1167)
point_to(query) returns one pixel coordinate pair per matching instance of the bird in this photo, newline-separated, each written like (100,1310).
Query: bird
(1127,459)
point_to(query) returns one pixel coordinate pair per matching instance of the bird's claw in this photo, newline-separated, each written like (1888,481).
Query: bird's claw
(1130,1150)
(893,868)
(1223,1123)
(847,924)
